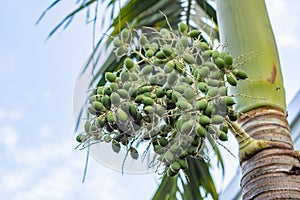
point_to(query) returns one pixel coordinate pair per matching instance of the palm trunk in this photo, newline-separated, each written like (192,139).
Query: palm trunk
(272,168)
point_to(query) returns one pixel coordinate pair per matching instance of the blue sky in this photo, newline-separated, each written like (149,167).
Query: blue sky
(37,79)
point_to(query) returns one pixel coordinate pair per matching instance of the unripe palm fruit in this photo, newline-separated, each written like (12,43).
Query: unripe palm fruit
(201,104)
(105,99)
(162,141)
(169,66)
(189,58)
(87,126)
(134,153)
(116,147)
(149,53)
(201,131)
(175,166)
(231,79)
(129,64)
(117,42)
(100,122)
(187,127)
(202,86)
(167,50)
(169,157)
(125,33)
(121,51)
(189,93)
(240,74)
(115,98)
(147,70)
(204,71)
(182,28)
(194,33)
(217,119)
(223,136)
(111,77)
(228,60)
(184,105)
(98,106)
(111,118)
(143,40)
(81,138)
(220,63)
(224,127)
(229,101)
(123,93)
(183,163)
(204,120)
(204,46)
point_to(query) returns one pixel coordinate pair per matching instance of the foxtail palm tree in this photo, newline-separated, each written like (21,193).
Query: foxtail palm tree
(270,165)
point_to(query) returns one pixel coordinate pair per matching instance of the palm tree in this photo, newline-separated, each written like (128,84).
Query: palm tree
(270,166)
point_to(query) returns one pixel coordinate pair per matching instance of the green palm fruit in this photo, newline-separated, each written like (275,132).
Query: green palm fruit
(87,126)
(134,153)
(98,106)
(169,157)
(123,93)
(172,78)
(189,93)
(116,147)
(182,28)
(216,75)
(213,83)
(159,149)
(192,150)
(111,118)
(100,122)
(204,71)
(204,46)
(222,91)
(212,92)
(105,99)
(154,46)
(204,120)
(223,136)
(231,79)
(115,98)
(143,40)
(147,70)
(201,131)
(217,119)
(169,66)
(81,138)
(117,43)
(187,127)
(160,92)
(160,55)
(111,77)
(202,86)
(194,33)
(148,109)
(215,54)
(183,163)
(149,53)
(189,58)
(125,34)
(220,63)
(229,101)
(167,50)
(240,74)
(121,51)
(224,127)
(175,166)
(228,60)
(233,116)
(162,141)
(201,104)
(129,64)
(184,105)
(147,101)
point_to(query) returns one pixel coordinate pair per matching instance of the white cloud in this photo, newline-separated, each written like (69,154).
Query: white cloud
(9,136)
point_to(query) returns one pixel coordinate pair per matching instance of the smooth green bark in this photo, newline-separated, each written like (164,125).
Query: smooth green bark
(246,30)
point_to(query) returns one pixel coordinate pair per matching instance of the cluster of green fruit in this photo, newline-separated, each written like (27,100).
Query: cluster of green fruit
(171,92)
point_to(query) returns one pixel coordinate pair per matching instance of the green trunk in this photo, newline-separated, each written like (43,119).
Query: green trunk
(245,27)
